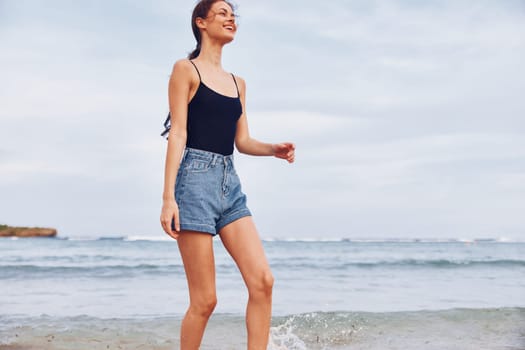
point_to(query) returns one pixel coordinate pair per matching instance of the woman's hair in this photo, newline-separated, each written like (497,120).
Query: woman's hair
(201,10)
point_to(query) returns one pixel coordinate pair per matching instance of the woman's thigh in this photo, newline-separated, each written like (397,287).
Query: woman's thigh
(196,249)
(242,241)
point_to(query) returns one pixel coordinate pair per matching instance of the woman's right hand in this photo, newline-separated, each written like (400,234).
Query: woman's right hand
(170,211)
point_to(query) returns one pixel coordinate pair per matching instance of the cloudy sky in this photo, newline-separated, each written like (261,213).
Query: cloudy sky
(408,116)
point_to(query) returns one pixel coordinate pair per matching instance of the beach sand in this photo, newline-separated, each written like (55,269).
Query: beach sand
(461,329)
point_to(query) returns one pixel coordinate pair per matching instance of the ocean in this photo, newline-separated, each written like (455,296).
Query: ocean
(130,293)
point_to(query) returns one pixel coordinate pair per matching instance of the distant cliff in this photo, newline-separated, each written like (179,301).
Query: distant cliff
(11,231)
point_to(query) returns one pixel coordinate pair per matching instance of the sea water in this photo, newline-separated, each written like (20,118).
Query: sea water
(130,293)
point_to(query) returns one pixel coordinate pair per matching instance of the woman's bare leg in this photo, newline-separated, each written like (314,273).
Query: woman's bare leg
(241,240)
(196,249)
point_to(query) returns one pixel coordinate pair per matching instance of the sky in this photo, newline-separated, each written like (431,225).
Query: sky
(408,116)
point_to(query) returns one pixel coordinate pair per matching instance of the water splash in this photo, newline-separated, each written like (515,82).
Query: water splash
(283,338)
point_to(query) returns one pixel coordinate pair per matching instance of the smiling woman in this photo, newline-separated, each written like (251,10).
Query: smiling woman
(202,193)
(203,10)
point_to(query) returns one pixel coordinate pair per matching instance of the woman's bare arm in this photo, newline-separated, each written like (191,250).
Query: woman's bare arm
(178,94)
(248,145)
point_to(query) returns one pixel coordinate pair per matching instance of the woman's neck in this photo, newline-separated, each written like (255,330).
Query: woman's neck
(211,55)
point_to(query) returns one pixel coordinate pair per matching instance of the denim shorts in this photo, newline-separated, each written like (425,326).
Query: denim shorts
(208,192)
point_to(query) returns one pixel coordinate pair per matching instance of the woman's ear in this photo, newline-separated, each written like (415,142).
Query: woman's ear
(201,22)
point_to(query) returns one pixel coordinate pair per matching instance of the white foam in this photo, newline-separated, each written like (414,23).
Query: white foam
(283,338)
(316,239)
(394,240)
(81,238)
(148,238)
(305,239)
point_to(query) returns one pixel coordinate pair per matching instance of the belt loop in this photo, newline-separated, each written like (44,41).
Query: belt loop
(213,160)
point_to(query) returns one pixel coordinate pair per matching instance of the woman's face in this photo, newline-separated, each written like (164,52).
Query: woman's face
(220,22)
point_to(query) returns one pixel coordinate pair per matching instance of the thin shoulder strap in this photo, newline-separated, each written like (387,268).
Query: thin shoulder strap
(236,86)
(200,79)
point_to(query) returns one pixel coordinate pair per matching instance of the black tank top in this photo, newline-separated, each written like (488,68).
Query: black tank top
(212,119)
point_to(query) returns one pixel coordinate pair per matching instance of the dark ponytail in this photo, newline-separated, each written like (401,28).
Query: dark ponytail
(195,52)
(201,10)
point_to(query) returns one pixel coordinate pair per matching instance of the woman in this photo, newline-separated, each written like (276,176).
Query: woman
(202,193)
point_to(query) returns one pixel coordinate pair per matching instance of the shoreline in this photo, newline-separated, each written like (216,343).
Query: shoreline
(459,328)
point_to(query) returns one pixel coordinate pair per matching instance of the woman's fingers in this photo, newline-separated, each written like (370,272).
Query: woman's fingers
(285,150)
(290,155)
(169,229)
(174,235)
(165,225)
(176,221)
(169,221)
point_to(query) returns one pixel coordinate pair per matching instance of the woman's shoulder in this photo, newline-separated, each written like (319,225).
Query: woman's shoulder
(240,82)
(182,65)
(183,70)
(239,78)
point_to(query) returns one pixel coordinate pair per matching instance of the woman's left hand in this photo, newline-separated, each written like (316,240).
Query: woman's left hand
(284,150)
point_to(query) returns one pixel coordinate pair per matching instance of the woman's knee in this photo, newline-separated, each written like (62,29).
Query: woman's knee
(204,306)
(262,284)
